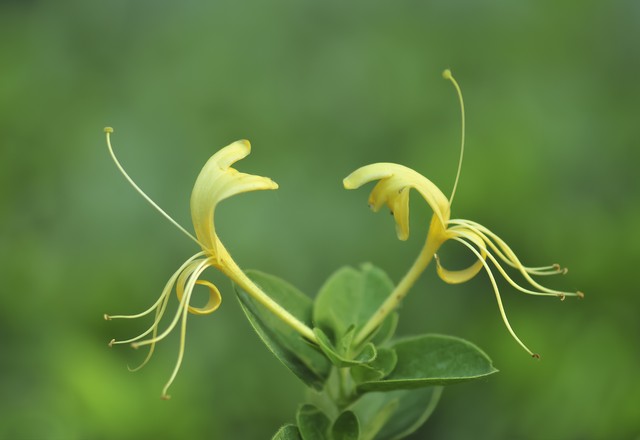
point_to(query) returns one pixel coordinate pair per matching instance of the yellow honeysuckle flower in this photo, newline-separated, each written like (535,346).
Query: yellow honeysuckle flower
(393,187)
(217,181)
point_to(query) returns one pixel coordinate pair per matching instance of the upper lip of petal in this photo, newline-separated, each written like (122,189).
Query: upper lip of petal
(401,177)
(218,181)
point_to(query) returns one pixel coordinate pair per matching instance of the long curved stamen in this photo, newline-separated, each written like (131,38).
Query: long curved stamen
(108,131)
(154,328)
(496,263)
(542,271)
(160,307)
(183,304)
(504,252)
(447,75)
(183,328)
(511,258)
(185,267)
(498,298)
(165,291)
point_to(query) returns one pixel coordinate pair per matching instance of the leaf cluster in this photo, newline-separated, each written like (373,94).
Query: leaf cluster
(380,388)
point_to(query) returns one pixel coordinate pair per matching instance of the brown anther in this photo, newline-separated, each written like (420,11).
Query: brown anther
(561,296)
(535,356)
(165,397)
(111,342)
(556,267)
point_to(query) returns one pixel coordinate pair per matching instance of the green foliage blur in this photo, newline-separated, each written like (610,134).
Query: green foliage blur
(319,88)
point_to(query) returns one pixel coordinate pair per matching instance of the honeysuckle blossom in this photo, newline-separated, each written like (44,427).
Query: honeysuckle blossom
(217,181)
(393,187)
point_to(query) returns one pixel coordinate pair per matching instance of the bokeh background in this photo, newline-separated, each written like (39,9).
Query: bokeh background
(319,88)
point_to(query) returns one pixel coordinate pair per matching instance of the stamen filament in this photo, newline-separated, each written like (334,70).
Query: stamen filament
(498,298)
(183,328)
(483,232)
(554,269)
(168,286)
(174,373)
(160,307)
(506,276)
(511,258)
(199,269)
(159,314)
(108,131)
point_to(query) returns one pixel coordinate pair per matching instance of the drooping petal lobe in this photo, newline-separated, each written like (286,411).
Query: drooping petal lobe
(463,275)
(393,190)
(214,300)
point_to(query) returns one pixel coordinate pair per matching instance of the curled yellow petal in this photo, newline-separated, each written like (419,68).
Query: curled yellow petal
(463,275)
(215,299)
(186,278)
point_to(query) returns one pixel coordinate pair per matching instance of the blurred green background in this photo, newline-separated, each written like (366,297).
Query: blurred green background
(319,88)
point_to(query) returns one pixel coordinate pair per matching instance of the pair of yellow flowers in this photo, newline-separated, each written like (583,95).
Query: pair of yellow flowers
(218,181)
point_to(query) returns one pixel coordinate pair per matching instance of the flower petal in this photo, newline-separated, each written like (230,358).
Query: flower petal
(218,181)
(394,179)
(215,299)
(463,275)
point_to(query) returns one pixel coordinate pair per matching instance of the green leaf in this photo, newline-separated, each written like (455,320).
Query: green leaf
(304,360)
(366,355)
(346,427)
(349,298)
(381,366)
(395,414)
(375,410)
(313,423)
(414,408)
(287,432)
(432,360)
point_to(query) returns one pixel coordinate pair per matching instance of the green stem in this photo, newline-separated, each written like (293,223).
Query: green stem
(233,271)
(401,290)
(342,372)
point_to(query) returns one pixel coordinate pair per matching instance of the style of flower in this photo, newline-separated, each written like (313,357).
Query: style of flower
(393,187)
(217,181)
